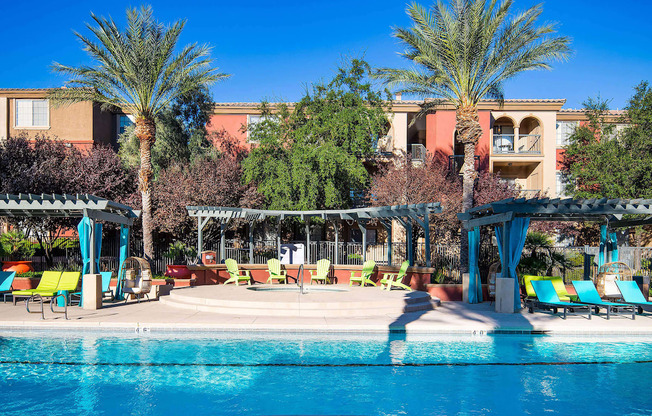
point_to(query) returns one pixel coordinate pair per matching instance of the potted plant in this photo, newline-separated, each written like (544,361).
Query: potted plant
(179,252)
(16,246)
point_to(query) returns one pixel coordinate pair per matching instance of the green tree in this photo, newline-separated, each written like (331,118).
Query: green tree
(463,52)
(139,71)
(311,156)
(600,162)
(181,134)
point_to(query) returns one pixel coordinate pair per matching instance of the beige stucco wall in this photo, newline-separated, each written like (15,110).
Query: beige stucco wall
(399,131)
(546,171)
(4,126)
(73,123)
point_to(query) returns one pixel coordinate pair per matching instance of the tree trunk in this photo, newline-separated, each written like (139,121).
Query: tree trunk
(146,133)
(469,131)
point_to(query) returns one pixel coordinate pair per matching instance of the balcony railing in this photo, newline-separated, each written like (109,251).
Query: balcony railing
(529,144)
(418,153)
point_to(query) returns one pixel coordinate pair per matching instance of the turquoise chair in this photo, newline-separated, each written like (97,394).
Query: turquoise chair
(547,298)
(589,295)
(6,280)
(632,294)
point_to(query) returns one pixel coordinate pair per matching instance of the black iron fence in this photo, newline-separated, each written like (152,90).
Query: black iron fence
(444,259)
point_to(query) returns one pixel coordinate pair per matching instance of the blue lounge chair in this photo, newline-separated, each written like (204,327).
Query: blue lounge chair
(588,295)
(106,289)
(6,280)
(632,294)
(547,299)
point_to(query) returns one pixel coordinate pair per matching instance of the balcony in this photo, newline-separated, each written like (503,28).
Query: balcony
(455,162)
(526,144)
(418,153)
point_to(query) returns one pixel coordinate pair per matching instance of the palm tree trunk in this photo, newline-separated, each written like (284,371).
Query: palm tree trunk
(469,131)
(146,133)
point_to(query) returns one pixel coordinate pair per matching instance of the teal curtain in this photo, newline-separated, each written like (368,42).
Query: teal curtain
(475,284)
(516,230)
(84,231)
(603,244)
(124,253)
(613,246)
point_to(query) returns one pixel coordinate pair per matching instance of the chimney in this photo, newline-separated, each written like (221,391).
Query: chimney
(398,96)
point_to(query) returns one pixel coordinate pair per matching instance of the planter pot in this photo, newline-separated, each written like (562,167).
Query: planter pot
(178,271)
(20,267)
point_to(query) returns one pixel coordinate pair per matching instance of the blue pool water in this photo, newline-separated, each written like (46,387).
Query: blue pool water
(229,374)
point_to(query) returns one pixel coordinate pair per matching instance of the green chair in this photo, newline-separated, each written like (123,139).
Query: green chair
(365,275)
(557,283)
(395,279)
(275,272)
(49,282)
(236,275)
(321,274)
(6,281)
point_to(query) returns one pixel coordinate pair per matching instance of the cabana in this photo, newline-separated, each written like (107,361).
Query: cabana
(87,207)
(511,218)
(403,214)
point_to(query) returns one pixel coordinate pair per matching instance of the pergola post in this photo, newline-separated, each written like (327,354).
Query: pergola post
(308,240)
(337,242)
(363,229)
(409,242)
(251,242)
(222,242)
(200,240)
(388,228)
(278,240)
(426,231)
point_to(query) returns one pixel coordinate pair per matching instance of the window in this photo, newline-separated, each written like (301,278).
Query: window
(616,131)
(124,121)
(252,120)
(564,131)
(32,113)
(561,182)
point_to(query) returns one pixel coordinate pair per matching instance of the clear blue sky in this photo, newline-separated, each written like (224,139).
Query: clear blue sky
(274,49)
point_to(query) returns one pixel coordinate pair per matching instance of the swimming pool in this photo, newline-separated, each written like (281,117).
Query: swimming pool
(236,373)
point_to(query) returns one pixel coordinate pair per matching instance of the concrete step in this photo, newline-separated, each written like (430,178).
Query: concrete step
(330,309)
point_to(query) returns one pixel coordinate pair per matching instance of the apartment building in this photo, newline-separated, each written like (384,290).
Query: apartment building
(30,112)
(523,140)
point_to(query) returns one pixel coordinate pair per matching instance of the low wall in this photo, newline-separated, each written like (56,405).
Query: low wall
(452,292)
(417,277)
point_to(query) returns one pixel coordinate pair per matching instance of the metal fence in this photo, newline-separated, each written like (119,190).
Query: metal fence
(445,259)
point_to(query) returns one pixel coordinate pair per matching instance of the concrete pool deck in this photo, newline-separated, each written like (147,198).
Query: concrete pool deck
(448,318)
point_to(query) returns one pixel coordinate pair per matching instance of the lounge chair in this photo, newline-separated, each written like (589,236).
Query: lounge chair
(632,294)
(106,288)
(49,282)
(546,298)
(365,275)
(321,274)
(557,283)
(390,280)
(588,295)
(6,280)
(236,276)
(275,272)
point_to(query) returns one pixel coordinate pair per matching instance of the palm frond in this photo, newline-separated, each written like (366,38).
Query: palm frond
(465,50)
(137,68)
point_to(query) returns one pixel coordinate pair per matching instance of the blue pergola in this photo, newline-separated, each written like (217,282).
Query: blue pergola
(89,208)
(511,218)
(403,214)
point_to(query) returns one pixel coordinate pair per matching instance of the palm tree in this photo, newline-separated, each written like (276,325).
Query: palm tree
(139,72)
(463,53)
